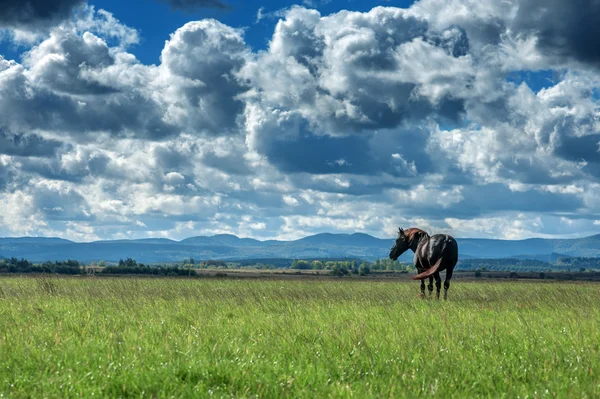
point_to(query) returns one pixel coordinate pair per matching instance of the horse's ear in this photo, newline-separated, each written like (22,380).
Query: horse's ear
(400,230)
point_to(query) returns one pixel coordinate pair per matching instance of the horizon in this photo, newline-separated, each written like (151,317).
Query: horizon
(297,239)
(278,120)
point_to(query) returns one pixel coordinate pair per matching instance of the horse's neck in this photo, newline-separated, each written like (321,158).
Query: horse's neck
(422,241)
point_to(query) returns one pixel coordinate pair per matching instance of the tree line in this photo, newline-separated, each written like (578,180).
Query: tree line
(73,267)
(342,268)
(335,267)
(511,264)
(14,265)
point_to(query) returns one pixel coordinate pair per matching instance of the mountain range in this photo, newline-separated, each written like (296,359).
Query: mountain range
(319,246)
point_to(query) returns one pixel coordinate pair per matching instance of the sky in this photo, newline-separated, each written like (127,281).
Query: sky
(277,120)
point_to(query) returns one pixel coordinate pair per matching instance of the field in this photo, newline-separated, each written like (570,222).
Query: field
(207,337)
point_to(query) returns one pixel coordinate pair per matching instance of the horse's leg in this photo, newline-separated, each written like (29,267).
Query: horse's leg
(430,286)
(447,282)
(422,288)
(438,284)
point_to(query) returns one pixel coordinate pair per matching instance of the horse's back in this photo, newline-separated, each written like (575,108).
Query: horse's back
(444,246)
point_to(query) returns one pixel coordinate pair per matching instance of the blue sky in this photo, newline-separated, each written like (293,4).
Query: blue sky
(175,118)
(158,20)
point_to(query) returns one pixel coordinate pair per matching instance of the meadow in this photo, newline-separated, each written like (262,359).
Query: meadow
(206,337)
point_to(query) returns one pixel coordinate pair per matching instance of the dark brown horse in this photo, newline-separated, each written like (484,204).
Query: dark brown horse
(433,254)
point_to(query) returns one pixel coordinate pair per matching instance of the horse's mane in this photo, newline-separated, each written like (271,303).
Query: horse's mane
(411,232)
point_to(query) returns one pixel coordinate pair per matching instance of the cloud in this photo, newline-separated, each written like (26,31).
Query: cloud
(198,70)
(563,30)
(27,145)
(350,72)
(60,63)
(121,114)
(324,78)
(35,14)
(347,121)
(81,87)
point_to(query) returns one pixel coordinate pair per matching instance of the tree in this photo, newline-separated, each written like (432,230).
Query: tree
(317,265)
(127,263)
(192,261)
(364,269)
(301,265)
(377,265)
(215,263)
(338,270)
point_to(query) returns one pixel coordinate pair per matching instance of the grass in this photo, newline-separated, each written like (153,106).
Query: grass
(136,337)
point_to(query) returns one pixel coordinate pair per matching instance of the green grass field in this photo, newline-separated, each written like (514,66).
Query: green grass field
(137,337)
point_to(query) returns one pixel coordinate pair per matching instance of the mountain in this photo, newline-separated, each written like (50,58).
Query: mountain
(221,239)
(356,239)
(325,245)
(139,241)
(33,240)
(486,248)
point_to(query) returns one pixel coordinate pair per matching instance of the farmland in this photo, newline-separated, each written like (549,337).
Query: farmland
(163,337)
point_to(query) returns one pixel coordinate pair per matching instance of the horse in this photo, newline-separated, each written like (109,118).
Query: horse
(433,254)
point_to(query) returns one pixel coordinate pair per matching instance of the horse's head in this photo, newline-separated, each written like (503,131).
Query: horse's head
(400,246)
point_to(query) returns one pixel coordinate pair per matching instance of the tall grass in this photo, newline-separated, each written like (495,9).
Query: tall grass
(198,338)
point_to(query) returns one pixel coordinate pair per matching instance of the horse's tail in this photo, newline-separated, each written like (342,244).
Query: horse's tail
(428,272)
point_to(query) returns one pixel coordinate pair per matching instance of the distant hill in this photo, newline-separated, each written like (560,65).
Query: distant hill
(326,245)
(222,239)
(33,240)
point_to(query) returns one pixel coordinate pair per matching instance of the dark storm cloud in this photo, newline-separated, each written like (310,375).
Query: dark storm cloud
(135,115)
(582,149)
(267,201)
(30,145)
(34,14)
(523,170)
(58,204)
(170,159)
(7,174)
(191,5)
(120,115)
(498,197)
(566,29)
(409,146)
(400,153)
(357,186)
(380,115)
(320,154)
(231,164)
(490,199)
(53,170)
(578,149)
(26,105)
